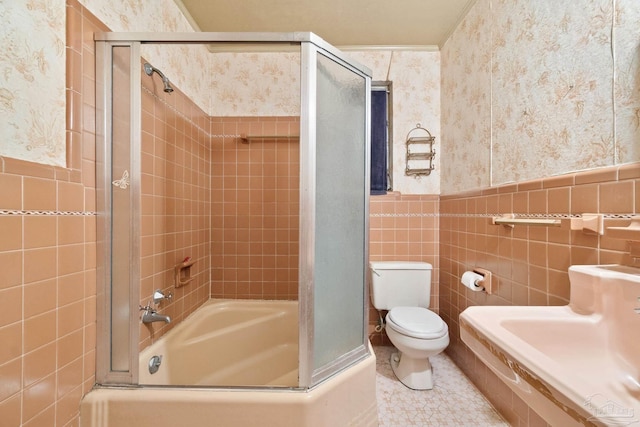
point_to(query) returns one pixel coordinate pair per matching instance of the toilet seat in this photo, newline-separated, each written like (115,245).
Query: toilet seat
(417,322)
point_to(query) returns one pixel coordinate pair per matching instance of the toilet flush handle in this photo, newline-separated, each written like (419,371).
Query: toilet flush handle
(375,272)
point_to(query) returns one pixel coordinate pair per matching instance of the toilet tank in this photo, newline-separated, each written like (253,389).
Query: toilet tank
(400,283)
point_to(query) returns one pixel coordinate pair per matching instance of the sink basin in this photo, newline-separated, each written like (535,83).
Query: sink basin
(552,334)
(577,364)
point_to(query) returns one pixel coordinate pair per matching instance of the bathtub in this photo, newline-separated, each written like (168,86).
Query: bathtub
(228,343)
(234,345)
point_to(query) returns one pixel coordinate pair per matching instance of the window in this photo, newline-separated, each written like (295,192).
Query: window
(381,144)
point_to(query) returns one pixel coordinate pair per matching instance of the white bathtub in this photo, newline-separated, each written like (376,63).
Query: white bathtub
(234,343)
(229,343)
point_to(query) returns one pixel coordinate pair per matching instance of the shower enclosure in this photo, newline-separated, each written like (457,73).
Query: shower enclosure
(333,200)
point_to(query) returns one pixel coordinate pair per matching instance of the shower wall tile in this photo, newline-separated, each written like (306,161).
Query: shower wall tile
(175,206)
(255,208)
(529,263)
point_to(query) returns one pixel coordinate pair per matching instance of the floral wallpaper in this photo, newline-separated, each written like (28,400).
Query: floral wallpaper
(466,103)
(255,84)
(552,109)
(32,83)
(186,66)
(627,83)
(530,89)
(533,90)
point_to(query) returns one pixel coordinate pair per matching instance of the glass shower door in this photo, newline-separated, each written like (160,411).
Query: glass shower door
(335,192)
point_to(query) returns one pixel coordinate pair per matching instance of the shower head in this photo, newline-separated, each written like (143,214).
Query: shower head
(149,69)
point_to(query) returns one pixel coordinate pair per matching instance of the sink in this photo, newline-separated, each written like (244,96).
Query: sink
(574,365)
(550,335)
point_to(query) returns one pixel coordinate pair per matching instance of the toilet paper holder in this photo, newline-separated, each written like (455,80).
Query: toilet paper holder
(486,280)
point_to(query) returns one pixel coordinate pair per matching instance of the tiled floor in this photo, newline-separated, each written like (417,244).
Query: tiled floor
(454,400)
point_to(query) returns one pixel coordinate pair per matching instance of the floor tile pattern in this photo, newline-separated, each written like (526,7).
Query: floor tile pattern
(454,401)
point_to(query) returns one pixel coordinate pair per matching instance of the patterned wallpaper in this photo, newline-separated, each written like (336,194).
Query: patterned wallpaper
(627,82)
(32,82)
(530,90)
(527,94)
(255,84)
(233,84)
(466,103)
(186,66)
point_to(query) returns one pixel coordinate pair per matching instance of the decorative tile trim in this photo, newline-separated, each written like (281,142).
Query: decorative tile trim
(46,213)
(490,215)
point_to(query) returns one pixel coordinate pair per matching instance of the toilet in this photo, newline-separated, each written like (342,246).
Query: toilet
(404,288)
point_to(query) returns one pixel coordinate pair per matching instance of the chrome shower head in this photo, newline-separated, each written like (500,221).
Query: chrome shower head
(149,69)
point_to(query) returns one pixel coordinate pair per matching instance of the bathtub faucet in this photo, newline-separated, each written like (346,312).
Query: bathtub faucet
(150,315)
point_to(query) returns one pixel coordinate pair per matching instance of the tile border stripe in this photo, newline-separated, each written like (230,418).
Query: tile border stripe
(490,215)
(46,213)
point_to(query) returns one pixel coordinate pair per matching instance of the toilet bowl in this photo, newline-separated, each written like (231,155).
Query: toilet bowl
(404,288)
(418,334)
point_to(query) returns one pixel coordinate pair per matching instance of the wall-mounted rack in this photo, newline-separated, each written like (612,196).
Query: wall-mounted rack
(246,139)
(588,223)
(419,151)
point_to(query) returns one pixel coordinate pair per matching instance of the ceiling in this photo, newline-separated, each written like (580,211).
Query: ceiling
(343,23)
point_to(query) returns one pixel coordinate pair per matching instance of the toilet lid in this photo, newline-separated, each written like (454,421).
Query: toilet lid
(417,322)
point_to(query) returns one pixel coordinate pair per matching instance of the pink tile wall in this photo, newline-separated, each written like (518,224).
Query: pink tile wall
(529,263)
(176,207)
(255,208)
(404,228)
(48,260)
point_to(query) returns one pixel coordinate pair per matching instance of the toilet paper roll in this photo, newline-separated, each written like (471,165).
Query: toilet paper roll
(470,280)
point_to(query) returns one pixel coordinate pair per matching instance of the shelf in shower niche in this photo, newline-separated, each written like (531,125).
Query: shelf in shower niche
(247,139)
(183,272)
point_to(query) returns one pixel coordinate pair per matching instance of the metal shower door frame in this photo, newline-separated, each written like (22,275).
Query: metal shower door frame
(310,46)
(310,375)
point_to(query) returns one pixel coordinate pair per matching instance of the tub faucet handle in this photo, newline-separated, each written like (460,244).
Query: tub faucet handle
(147,308)
(158,296)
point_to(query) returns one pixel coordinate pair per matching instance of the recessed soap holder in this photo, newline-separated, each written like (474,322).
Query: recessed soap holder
(183,272)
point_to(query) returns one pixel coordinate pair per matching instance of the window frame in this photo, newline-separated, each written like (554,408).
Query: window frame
(387,86)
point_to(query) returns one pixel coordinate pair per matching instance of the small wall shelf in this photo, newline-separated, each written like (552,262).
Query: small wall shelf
(183,272)
(246,139)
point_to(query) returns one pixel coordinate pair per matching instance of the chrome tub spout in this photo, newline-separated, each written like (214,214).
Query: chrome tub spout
(150,315)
